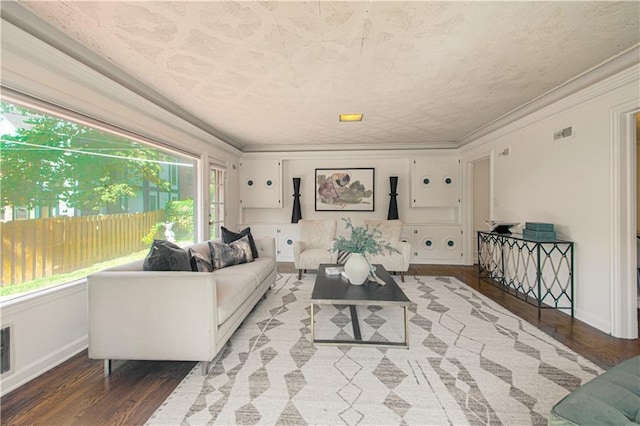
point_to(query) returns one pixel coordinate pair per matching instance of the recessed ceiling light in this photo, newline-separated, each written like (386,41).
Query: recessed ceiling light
(351,117)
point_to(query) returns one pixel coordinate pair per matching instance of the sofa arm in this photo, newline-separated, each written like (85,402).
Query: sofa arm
(152,315)
(266,247)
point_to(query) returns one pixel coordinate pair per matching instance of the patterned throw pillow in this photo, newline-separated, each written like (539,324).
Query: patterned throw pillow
(229,236)
(237,252)
(200,263)
(166,256)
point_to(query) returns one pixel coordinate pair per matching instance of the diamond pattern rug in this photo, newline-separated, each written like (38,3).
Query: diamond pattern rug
(470,362)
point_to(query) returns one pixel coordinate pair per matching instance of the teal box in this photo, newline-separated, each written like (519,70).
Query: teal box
(538,235)
(538,226)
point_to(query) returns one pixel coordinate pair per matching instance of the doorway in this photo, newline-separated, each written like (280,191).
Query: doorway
(481,184)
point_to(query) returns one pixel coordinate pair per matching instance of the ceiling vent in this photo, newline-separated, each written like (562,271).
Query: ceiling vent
(567,132)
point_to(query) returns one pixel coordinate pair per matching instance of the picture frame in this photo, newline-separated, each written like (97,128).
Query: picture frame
(345,189)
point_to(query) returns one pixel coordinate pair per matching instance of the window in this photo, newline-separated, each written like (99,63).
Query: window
(216,198)
(75,199)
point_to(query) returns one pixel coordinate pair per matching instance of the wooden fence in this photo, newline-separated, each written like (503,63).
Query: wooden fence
(37,248)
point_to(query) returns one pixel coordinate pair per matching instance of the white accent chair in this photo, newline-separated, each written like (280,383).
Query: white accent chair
(315,244)
(390,231)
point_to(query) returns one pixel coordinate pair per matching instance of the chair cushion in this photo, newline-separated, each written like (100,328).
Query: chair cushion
(390,230)
(390,261)
(317,234)
(312,258)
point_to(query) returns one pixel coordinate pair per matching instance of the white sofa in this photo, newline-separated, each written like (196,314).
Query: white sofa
(178,316)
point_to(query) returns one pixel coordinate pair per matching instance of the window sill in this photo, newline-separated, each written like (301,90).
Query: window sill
(45,295)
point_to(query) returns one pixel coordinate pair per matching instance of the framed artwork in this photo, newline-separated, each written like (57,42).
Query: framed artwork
(347,190)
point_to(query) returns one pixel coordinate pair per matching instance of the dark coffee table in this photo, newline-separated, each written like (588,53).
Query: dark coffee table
(336,290)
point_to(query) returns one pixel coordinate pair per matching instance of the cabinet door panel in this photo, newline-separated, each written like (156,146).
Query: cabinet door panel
(435,182)
(424,176)
(449,243)
(261,183)
(448,181)
(433,243)
(287,234)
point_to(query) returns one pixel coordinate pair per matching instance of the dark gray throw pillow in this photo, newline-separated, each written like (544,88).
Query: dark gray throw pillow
(166,256)
(223,255)
(200,263)
(229,236)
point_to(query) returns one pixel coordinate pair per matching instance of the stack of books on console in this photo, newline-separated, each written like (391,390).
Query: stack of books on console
(539,231)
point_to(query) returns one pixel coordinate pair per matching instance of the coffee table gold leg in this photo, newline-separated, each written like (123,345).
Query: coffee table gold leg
(312,327)
(406,327)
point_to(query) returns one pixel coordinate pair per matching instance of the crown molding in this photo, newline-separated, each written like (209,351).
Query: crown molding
(350,147)
(562,97)
(372,154)
(23,19)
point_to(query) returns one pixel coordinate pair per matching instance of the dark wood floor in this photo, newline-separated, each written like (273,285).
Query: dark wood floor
(76,392)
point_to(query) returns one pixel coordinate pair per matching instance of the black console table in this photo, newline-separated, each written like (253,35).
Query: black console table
(540,272)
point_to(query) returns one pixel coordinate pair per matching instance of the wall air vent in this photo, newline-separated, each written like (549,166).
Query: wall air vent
(567,132)
(5,350)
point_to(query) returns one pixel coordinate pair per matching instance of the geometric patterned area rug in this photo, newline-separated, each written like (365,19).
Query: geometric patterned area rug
(470,361)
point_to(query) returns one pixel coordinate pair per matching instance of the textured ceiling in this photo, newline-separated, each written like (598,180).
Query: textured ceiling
(275,75)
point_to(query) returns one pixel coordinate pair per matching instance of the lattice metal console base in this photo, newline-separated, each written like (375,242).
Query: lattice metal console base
(540,272)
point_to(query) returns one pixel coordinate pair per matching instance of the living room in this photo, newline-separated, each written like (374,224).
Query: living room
(584,184)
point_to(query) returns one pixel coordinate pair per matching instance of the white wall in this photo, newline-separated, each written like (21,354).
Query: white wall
(566,182)
(47,329)
(385,163)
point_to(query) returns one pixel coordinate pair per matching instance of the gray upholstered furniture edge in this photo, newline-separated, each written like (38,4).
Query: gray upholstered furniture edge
(157,315)
(612,398)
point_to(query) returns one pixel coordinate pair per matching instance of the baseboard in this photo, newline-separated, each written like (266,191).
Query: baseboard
(592,320)
(42,365)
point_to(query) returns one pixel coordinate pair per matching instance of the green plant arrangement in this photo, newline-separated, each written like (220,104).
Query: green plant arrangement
(364,240)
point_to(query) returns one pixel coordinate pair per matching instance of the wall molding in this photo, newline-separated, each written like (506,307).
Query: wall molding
(42,297)
(14,13)
(330,155)
(598,89)
(623,213)
(33,68)
(427,145)
(562,97)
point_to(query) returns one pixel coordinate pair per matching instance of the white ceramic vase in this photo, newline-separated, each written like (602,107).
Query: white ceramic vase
(357,269)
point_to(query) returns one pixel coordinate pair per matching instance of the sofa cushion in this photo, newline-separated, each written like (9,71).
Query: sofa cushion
(223,255)
(230,236)
(259,269)
(232,289)
(199,262)
(166,256)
